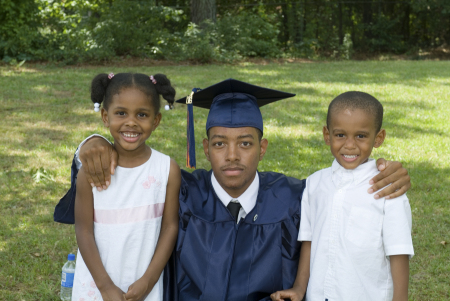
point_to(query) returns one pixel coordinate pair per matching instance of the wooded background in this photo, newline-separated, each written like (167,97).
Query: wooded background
(204,30)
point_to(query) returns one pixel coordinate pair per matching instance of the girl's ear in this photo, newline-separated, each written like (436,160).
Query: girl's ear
(379,138)
(157,120)
(105,117)
(326,135)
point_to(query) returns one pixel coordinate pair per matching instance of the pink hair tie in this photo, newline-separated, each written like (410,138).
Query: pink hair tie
(111,75)
(153,79)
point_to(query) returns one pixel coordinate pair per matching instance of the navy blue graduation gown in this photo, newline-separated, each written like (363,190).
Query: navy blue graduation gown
(216,259)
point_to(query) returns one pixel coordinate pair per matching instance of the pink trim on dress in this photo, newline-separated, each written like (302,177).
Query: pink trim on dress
(128,215)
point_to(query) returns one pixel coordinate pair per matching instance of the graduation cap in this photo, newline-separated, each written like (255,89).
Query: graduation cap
(231,103)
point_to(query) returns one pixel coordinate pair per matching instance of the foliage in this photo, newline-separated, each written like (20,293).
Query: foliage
(136,28)
(249,35)
(74,31)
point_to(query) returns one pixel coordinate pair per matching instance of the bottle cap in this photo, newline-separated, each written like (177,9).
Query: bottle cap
(71,257)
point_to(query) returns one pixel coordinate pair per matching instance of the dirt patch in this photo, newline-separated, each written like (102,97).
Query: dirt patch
(440,53)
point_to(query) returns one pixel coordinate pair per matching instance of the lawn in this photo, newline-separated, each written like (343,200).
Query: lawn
(45,112)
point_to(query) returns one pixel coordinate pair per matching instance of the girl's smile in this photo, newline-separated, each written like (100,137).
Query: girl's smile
(130,137)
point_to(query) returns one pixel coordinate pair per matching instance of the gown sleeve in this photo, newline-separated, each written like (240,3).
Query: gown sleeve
(65,209)
(172,272)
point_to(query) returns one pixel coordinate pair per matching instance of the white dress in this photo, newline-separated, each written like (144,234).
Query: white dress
(127,222)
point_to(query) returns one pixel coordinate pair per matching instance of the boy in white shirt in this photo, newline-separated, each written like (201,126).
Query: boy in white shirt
(354,247)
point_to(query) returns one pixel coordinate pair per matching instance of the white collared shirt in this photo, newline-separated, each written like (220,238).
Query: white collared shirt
(352,234)
(247,199)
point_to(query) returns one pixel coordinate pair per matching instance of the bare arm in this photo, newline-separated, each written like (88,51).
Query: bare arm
(166,242)
(99,159)
(297,292)
(400,276)
(391,172)
(84,229)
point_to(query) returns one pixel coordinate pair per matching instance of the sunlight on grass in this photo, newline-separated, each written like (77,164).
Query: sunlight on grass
(46,111)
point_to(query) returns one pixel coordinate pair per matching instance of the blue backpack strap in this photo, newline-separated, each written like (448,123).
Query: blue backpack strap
(65,210)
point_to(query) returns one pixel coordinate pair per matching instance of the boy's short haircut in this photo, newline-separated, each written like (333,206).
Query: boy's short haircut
(357,100)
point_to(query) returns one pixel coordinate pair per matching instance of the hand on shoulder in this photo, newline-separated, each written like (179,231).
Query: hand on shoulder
(99,158)
(391,172)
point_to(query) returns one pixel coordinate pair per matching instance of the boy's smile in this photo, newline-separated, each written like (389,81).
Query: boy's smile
(351,137)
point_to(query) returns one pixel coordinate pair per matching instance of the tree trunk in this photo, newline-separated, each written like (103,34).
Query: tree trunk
(202,10)
(340,31)
(406,21)
(367,19)
(301,21)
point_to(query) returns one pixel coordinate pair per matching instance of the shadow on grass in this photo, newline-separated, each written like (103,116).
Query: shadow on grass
(361,73)
(32,246)
(430,204)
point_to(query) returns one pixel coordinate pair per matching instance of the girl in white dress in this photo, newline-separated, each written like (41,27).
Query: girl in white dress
(126,233)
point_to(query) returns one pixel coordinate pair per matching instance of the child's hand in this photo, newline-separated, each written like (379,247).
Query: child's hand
(113,293)
(138,290)
(294,294)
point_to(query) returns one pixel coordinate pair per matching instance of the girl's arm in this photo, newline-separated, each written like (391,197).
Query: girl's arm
(400,276)
(166,242)
(84,229)
(297,292)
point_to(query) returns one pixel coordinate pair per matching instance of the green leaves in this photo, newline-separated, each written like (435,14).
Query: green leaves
(41,175)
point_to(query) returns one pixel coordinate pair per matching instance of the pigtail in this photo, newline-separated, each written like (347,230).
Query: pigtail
(164,88)
(98,87)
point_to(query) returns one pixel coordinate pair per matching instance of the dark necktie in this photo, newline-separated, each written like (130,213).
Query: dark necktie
(234,209)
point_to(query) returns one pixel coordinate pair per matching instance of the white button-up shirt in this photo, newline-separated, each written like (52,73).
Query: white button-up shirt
(247,199)
(352,234)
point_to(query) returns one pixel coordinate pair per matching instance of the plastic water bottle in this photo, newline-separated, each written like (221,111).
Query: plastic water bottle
(68,271)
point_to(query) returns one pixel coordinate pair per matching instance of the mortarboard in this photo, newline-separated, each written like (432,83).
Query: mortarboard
(231,103)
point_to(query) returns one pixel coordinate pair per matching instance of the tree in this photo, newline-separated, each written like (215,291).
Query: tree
(202,10)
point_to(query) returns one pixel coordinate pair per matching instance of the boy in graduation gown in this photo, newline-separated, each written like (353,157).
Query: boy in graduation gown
(238,227)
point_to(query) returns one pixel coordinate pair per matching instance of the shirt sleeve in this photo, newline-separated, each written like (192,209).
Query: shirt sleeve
(305,233)
(77,152)
(397,225)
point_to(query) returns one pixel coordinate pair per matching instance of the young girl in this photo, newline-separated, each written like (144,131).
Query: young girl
(126,233)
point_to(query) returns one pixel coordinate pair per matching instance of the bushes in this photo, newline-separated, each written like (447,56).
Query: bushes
(90,30)
(80,30)
(230,38)
(249,35)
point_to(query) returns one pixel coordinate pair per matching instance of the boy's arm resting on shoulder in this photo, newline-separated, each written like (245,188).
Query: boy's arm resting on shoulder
(99,159)
(84,229)
(167,238)
(298,290)
(391,172)
(400,276)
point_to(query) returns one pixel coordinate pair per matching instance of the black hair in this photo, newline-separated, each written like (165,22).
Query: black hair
(357,100)
(260,134)
(103,88)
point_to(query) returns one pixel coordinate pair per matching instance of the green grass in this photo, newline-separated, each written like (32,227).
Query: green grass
(45,112)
